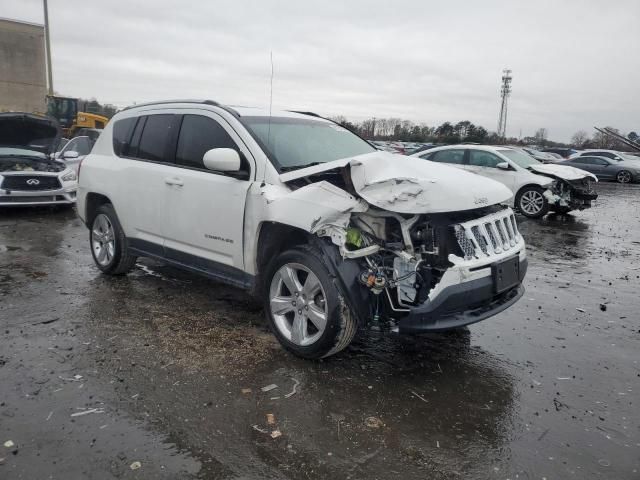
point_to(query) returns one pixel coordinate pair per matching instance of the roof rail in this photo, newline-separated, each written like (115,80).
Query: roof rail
(161,102)
(306,113)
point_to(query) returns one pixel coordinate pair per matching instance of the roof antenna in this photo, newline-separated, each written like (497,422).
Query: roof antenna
(270,103)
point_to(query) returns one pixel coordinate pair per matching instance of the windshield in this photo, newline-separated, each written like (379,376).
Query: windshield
(299,142)
(10,152)
(627,156)
(521,159)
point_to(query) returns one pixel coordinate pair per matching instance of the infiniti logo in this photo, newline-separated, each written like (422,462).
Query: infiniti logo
(33,181)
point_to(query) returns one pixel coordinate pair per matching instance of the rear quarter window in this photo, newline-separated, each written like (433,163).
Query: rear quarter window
(455,157)
(122,134)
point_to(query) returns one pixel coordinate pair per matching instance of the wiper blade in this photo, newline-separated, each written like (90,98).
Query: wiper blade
(290,168)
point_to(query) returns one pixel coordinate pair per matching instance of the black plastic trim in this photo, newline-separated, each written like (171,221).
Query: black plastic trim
(462,304)
(214,270)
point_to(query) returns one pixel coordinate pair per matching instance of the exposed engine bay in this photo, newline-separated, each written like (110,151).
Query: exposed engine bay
(406,256)
(403,257)
(571,194)
(26,164)
(572,189)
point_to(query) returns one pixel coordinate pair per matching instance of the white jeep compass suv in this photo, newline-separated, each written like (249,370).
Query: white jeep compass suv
(330,232)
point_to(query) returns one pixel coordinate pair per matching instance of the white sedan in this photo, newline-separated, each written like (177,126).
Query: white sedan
(74,151)
(537,187)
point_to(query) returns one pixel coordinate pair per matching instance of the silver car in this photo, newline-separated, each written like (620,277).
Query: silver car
(28,174)
(605,168)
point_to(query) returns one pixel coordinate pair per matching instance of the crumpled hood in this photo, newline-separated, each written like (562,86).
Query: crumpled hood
(564,172)
(29,131)
(412,185)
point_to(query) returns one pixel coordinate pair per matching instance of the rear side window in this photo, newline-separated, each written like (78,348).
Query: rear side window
(448,156)
(156,133)
(480,158)
(122,134)
(199,134)
(593,161)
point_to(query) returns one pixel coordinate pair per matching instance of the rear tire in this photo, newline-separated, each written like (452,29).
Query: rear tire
(531,202)
(304,308)
(108,243)
(624,176)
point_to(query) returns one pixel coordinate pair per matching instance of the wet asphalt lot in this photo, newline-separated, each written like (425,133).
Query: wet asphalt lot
(165,368)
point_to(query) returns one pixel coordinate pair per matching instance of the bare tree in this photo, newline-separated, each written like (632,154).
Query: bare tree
(602,140)
(580,138)
(541,136)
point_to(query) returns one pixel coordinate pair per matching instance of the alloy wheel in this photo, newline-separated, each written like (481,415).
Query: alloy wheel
(298,304)
(531,202)
(103,240)
(623,177)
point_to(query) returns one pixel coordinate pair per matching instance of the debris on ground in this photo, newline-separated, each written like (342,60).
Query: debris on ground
(87,412)
(268,388)
(419,396)
(246,391)
(47,322)
(271,419)
(276,433)
(135,465)
(259,429)
(373,422)
(294,390)
(581,310)
(603,307)
(9,444)
(75,378)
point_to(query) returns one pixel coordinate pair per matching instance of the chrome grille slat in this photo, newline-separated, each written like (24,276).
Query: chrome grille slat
(491,235)
(480,239)
(507,227)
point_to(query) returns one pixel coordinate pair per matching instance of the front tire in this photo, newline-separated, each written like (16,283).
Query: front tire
(109,243)
(531,202)
(624,176)
(304,308)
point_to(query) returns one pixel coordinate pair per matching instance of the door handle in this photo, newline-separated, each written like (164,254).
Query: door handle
(174,181)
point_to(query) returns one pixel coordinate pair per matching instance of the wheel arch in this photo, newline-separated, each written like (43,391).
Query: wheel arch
(528,185)
(274,238)
(93,202)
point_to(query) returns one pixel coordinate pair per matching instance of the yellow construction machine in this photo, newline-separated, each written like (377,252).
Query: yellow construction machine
(72,115)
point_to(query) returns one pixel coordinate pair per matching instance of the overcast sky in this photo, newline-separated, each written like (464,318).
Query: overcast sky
(575,62)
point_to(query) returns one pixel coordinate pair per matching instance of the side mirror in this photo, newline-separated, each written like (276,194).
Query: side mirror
(70,154)
(503,166)
(222,160)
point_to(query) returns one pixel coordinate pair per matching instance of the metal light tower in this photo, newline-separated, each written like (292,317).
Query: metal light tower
(47,43)
(504,95)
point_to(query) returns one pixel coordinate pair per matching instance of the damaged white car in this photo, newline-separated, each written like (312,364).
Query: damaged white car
(28,174)
(537,187)
(329,232)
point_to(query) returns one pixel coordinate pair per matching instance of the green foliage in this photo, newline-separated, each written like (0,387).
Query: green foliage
(407,131)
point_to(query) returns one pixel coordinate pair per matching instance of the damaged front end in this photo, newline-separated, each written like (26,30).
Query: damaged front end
(566,195)
(400,256)
(572,189)
(433,272)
